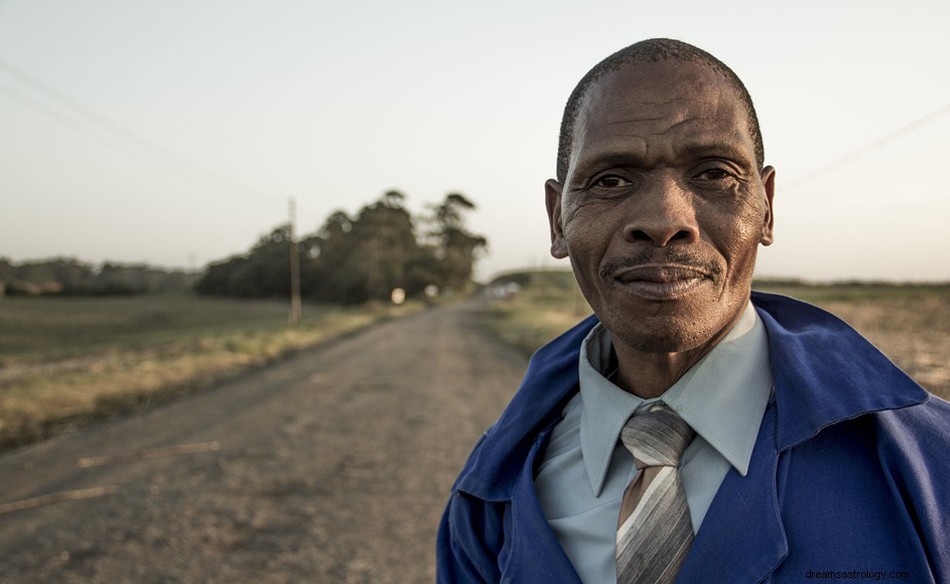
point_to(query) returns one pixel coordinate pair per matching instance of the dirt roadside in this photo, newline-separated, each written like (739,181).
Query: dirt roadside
(333,466)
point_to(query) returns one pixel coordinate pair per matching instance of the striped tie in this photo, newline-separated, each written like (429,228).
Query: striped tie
(655,530)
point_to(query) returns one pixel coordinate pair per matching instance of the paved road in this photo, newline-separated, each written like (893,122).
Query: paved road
(330,467)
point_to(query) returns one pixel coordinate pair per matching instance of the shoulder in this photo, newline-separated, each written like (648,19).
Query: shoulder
(917,439)
(551,379)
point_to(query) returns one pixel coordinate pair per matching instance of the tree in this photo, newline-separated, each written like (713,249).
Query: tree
(458,249)
(323,254)
(385,242)
(364,257)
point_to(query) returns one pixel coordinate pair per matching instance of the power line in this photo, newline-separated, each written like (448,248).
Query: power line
(862,151)
(64,119)
(103,124)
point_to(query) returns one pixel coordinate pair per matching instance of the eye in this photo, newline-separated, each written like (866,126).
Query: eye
(715,178)
(714,174)
(612,181)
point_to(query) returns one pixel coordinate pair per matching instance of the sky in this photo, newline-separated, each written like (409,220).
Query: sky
(174,132)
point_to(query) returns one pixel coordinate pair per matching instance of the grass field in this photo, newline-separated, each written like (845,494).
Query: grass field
(910,324)
(65,361)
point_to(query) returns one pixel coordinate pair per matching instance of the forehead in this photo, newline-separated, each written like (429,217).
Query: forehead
(663,104)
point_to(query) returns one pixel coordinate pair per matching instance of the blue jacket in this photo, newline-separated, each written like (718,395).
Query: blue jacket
(849,477)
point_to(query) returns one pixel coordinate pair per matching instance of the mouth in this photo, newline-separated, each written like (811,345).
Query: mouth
(661,281)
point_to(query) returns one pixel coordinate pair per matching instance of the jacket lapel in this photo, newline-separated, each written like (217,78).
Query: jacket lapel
(742,538)
(533,553)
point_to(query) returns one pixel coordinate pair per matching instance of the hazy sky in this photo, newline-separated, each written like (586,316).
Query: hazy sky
(193,121)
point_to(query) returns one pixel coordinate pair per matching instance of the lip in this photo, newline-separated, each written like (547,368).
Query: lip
(660,281)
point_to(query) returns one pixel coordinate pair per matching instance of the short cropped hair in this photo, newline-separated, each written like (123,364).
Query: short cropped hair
(651,50)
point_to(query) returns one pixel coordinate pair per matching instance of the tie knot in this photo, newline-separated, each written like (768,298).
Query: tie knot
(656,437)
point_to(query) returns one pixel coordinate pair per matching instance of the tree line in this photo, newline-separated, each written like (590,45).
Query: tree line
(354,259)
(71,277)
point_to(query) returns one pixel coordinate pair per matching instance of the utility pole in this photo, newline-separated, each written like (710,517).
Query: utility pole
(295,309)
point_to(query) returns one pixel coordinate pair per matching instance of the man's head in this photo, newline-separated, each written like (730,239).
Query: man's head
(662,198)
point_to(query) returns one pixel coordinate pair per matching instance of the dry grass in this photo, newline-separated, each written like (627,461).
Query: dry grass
(910,324)
(65,361)
(549,303)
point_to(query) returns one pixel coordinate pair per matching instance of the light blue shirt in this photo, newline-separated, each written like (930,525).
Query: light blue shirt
(585,469)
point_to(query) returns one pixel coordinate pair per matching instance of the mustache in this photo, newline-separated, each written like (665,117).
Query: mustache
(672,255)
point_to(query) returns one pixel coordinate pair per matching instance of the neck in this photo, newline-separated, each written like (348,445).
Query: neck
(648,374)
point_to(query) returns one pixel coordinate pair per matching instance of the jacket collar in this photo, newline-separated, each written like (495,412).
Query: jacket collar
(824,372)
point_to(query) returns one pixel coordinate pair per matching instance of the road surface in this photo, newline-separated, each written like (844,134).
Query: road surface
(333,466)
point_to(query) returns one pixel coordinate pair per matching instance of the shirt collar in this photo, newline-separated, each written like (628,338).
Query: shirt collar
(722,397)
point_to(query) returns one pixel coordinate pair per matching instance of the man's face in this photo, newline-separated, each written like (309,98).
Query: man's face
(663,206)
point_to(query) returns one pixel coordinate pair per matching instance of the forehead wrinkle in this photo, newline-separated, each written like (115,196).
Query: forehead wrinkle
(611,103)
(674,126)
(674,123)
(676,117)
(633,121)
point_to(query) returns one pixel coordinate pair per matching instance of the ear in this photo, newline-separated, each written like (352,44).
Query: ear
(552,199)
(768,181)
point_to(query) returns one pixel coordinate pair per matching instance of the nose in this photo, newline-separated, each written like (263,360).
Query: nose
(662,215)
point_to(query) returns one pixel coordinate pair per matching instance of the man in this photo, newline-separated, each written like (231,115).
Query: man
(793,449)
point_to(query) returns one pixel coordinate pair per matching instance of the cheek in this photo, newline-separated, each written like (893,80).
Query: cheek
(741,235)
(581,236)
(590,227)
(736,230)
(586,247)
